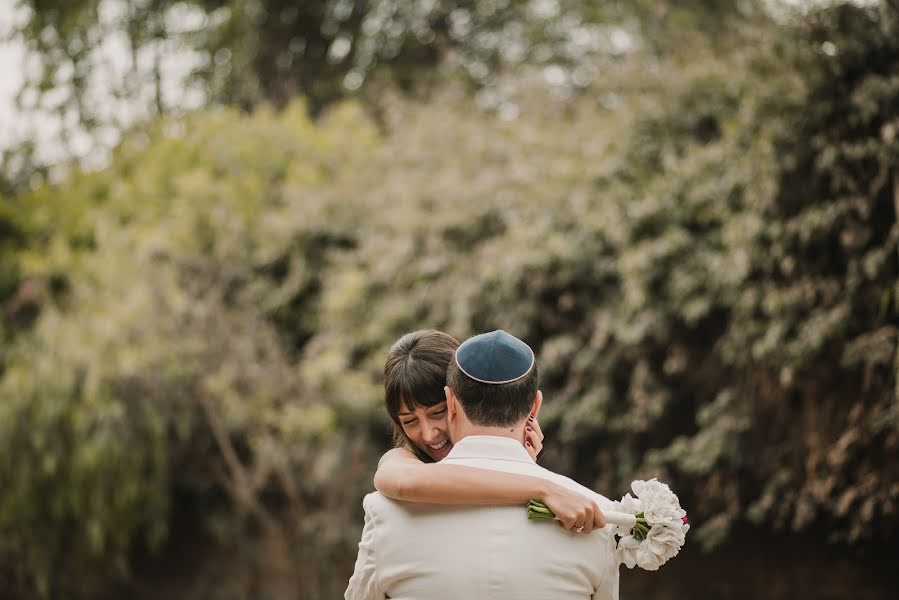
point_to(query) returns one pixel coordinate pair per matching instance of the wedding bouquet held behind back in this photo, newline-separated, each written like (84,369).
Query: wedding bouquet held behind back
(651,526)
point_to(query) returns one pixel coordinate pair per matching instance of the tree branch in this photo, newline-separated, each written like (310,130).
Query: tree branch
(239,481)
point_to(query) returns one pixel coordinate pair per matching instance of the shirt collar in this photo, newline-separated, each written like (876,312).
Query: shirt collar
(489,446)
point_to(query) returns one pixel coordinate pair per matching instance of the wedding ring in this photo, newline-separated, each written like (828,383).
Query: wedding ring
(580,529)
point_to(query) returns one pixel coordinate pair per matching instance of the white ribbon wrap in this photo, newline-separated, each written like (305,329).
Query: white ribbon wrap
(620,518)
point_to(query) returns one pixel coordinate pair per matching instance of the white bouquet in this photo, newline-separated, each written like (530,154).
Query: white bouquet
(651,527)
(659,527)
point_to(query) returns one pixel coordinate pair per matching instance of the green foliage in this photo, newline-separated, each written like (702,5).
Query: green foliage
(251,52)
(705,262)
(167,56)
(175,266)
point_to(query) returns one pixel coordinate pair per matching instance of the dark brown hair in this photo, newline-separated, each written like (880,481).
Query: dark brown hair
(414,376)
(491,404)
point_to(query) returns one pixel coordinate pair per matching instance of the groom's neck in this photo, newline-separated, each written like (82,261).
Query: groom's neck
(515,432)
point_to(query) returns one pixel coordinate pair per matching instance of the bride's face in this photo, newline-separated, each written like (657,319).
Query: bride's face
(426,428)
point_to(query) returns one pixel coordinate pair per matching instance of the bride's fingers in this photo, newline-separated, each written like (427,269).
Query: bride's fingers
(583,519)
(585,523)
(567,521)
(599,519)
(580,520)
(573,510)
(532,422)
(589,521)
(530,448)
(532,441)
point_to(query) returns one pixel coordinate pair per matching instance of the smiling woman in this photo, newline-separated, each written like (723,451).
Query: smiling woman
(414,376)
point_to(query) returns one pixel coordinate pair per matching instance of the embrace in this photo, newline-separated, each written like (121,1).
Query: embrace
(448,519)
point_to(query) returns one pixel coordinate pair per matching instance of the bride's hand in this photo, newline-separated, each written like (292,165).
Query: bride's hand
(533,437)
(576,512)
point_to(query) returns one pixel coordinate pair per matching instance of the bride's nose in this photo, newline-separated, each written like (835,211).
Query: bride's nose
(431,434)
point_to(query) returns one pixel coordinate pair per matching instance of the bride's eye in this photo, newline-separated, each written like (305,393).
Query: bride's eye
(439,412)
(409,422)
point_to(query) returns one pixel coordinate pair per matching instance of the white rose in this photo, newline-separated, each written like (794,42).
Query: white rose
(629,504)
(627,551)
(648,560)
(665,542)
(660,504)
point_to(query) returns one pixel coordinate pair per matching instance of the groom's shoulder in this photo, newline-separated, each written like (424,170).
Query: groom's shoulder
(375,507)
(603,502)
(379,505)
(374,501)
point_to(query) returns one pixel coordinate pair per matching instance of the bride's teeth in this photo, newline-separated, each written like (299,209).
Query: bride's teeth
(438,446)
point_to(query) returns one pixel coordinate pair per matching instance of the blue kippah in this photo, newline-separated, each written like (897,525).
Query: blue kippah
(495,357)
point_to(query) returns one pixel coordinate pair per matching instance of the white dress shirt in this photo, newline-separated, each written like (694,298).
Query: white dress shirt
(435,552)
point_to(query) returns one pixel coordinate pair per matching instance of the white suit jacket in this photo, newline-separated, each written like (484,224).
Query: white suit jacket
(429,552)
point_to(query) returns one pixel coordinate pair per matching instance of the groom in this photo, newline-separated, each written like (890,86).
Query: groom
(429,552)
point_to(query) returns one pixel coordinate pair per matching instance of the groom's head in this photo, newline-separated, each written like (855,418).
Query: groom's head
(493,379)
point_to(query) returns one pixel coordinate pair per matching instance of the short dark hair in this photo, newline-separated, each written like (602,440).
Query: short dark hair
(493,404)
(414,376)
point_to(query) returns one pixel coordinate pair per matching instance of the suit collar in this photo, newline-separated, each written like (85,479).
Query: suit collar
(489,446)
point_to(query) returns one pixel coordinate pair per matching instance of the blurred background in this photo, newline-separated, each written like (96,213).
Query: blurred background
(217,215)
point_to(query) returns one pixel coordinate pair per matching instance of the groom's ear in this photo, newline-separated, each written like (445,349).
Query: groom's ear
(452,405)
(538,402)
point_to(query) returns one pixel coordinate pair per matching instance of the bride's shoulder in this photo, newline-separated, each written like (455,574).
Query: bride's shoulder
(402,453)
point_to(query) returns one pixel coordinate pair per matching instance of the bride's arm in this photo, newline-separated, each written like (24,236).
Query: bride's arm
(402,476)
